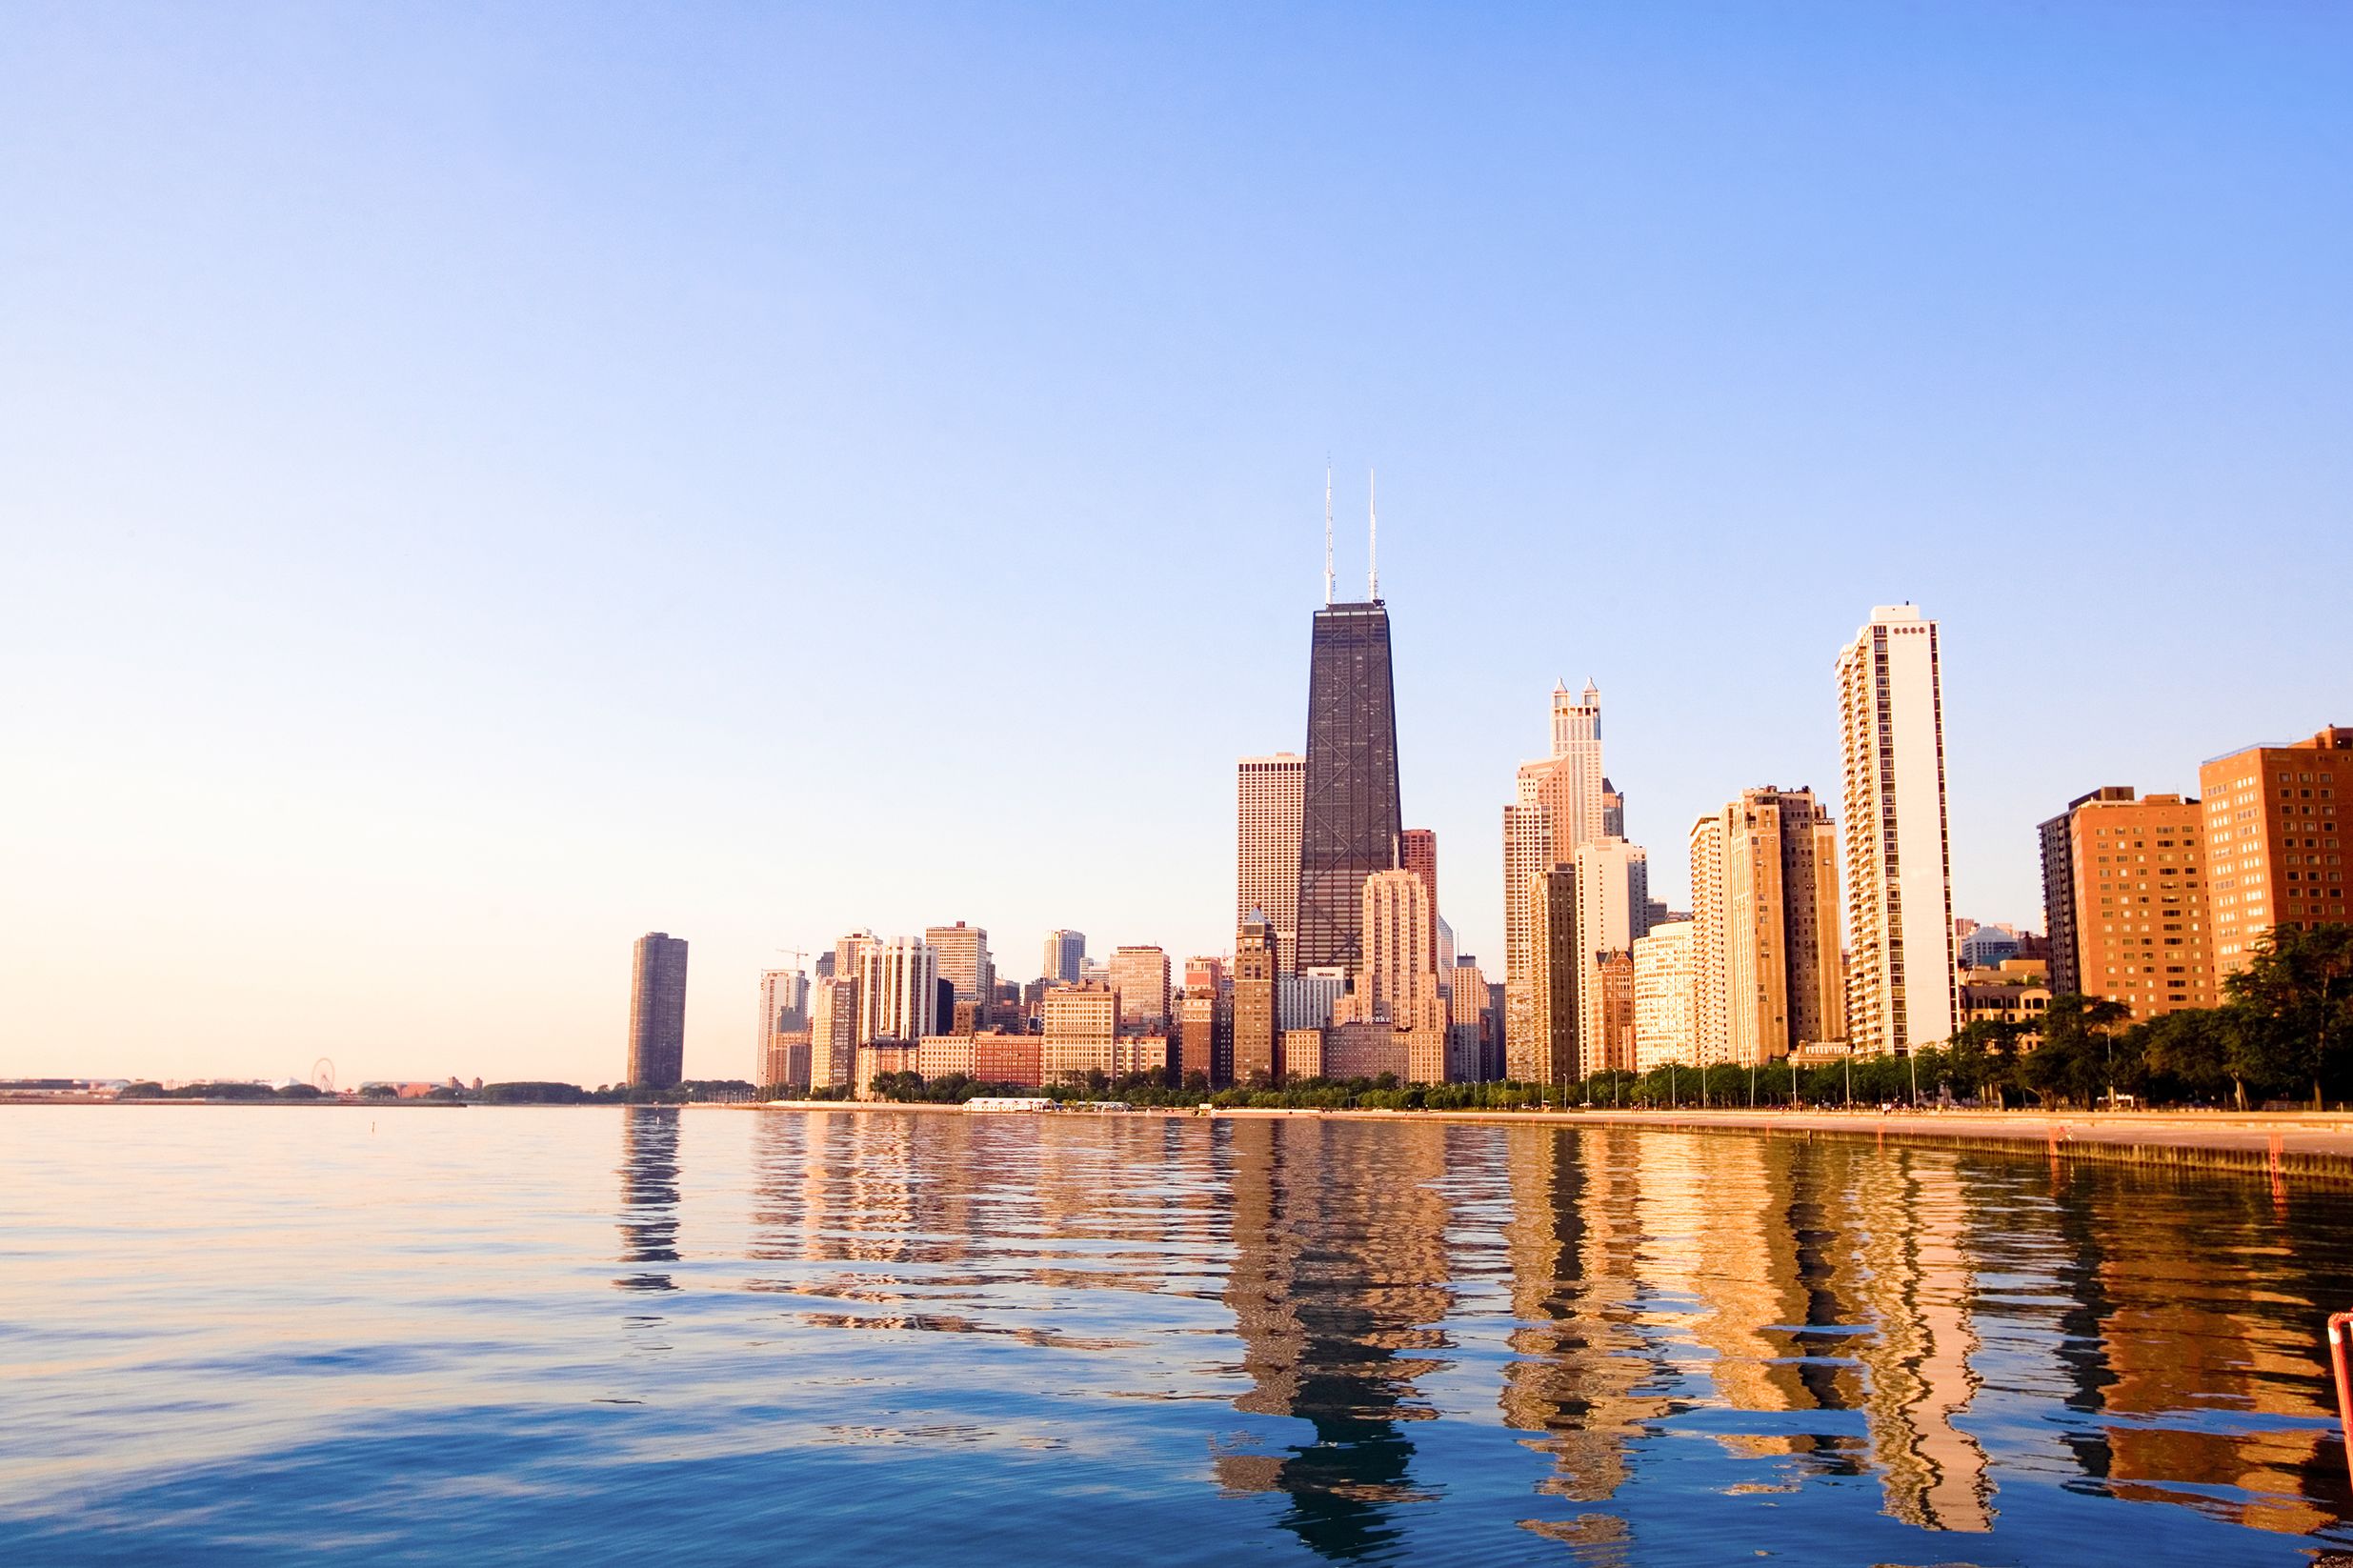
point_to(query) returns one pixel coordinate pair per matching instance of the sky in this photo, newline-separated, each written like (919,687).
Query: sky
(478,483)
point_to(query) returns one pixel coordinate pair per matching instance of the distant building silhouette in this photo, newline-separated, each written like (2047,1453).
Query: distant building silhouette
(657,1011)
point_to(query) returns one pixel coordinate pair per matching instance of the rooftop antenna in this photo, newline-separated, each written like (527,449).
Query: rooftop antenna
(1372,513)
(1327,529)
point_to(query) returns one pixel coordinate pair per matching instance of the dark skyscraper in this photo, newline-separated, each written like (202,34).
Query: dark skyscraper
(658,1013)
(1349,817)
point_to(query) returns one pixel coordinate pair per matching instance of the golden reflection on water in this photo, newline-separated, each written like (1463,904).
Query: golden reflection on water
(1835,1309)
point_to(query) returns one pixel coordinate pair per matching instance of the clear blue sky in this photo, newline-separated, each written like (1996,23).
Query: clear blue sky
(479,483)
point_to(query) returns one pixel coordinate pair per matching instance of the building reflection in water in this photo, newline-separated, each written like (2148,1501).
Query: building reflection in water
(1817,1308)
(649,1174)
(1814,1278)
(1339,1277)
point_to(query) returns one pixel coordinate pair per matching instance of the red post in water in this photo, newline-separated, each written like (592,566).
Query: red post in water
(2337,1322)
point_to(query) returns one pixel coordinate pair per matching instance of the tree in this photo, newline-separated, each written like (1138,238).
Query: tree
(2076,1059)
(2297,990)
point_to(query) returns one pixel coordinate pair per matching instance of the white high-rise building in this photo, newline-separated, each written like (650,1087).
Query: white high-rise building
(1269,795)
(898,991)
(1899,867)
(1662,997)
(1613,908)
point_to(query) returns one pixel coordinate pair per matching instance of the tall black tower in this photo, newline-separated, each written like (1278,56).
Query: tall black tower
(1349,816)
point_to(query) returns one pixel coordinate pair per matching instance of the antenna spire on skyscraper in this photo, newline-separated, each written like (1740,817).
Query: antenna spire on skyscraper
(1327,528)
(1372,559)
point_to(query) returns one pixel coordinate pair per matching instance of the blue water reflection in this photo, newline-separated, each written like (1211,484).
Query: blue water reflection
(292,1333)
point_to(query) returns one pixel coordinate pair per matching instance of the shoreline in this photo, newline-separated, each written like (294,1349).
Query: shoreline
(2305,1146)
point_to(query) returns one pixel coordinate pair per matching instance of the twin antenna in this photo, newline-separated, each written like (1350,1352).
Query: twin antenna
(1372,513)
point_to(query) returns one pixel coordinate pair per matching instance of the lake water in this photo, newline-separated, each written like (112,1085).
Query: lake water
(306,1335)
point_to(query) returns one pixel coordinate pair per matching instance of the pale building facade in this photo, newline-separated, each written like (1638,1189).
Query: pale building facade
(1269,791)
(1899,867)
(961,953)
(1613,908)
(1081,1029)
(1662,997)
(1139,975)
(1711,1031)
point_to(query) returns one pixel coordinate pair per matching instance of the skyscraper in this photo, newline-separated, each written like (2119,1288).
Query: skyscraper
(1350,813)
(1898,865)
(1254,949)
(1066,955)
(1268,792)
(2268,809)
(1559,805)
(657,1011)
(1576,792)
(1767,977)
(962,955)
(834,1032)
(1547,1050)
(898,991)
(1527,851)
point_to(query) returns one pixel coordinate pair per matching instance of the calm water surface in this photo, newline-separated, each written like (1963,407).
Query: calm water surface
(278,1334)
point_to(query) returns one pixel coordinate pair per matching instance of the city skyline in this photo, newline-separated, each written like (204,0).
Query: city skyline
(465,621)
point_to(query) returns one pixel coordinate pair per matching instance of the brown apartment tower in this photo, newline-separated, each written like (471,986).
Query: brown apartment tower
(2273,841)
(2124,893)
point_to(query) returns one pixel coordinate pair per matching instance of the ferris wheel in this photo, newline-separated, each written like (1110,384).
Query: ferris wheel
(322,1074)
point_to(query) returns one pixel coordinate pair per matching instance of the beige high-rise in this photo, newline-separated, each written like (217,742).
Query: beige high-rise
(1269,792)
(1711,1031)
(1527,851)
(1398,981)
(1255,965)
(1771,912)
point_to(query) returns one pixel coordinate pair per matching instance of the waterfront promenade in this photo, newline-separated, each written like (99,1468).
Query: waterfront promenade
(2306,1145)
